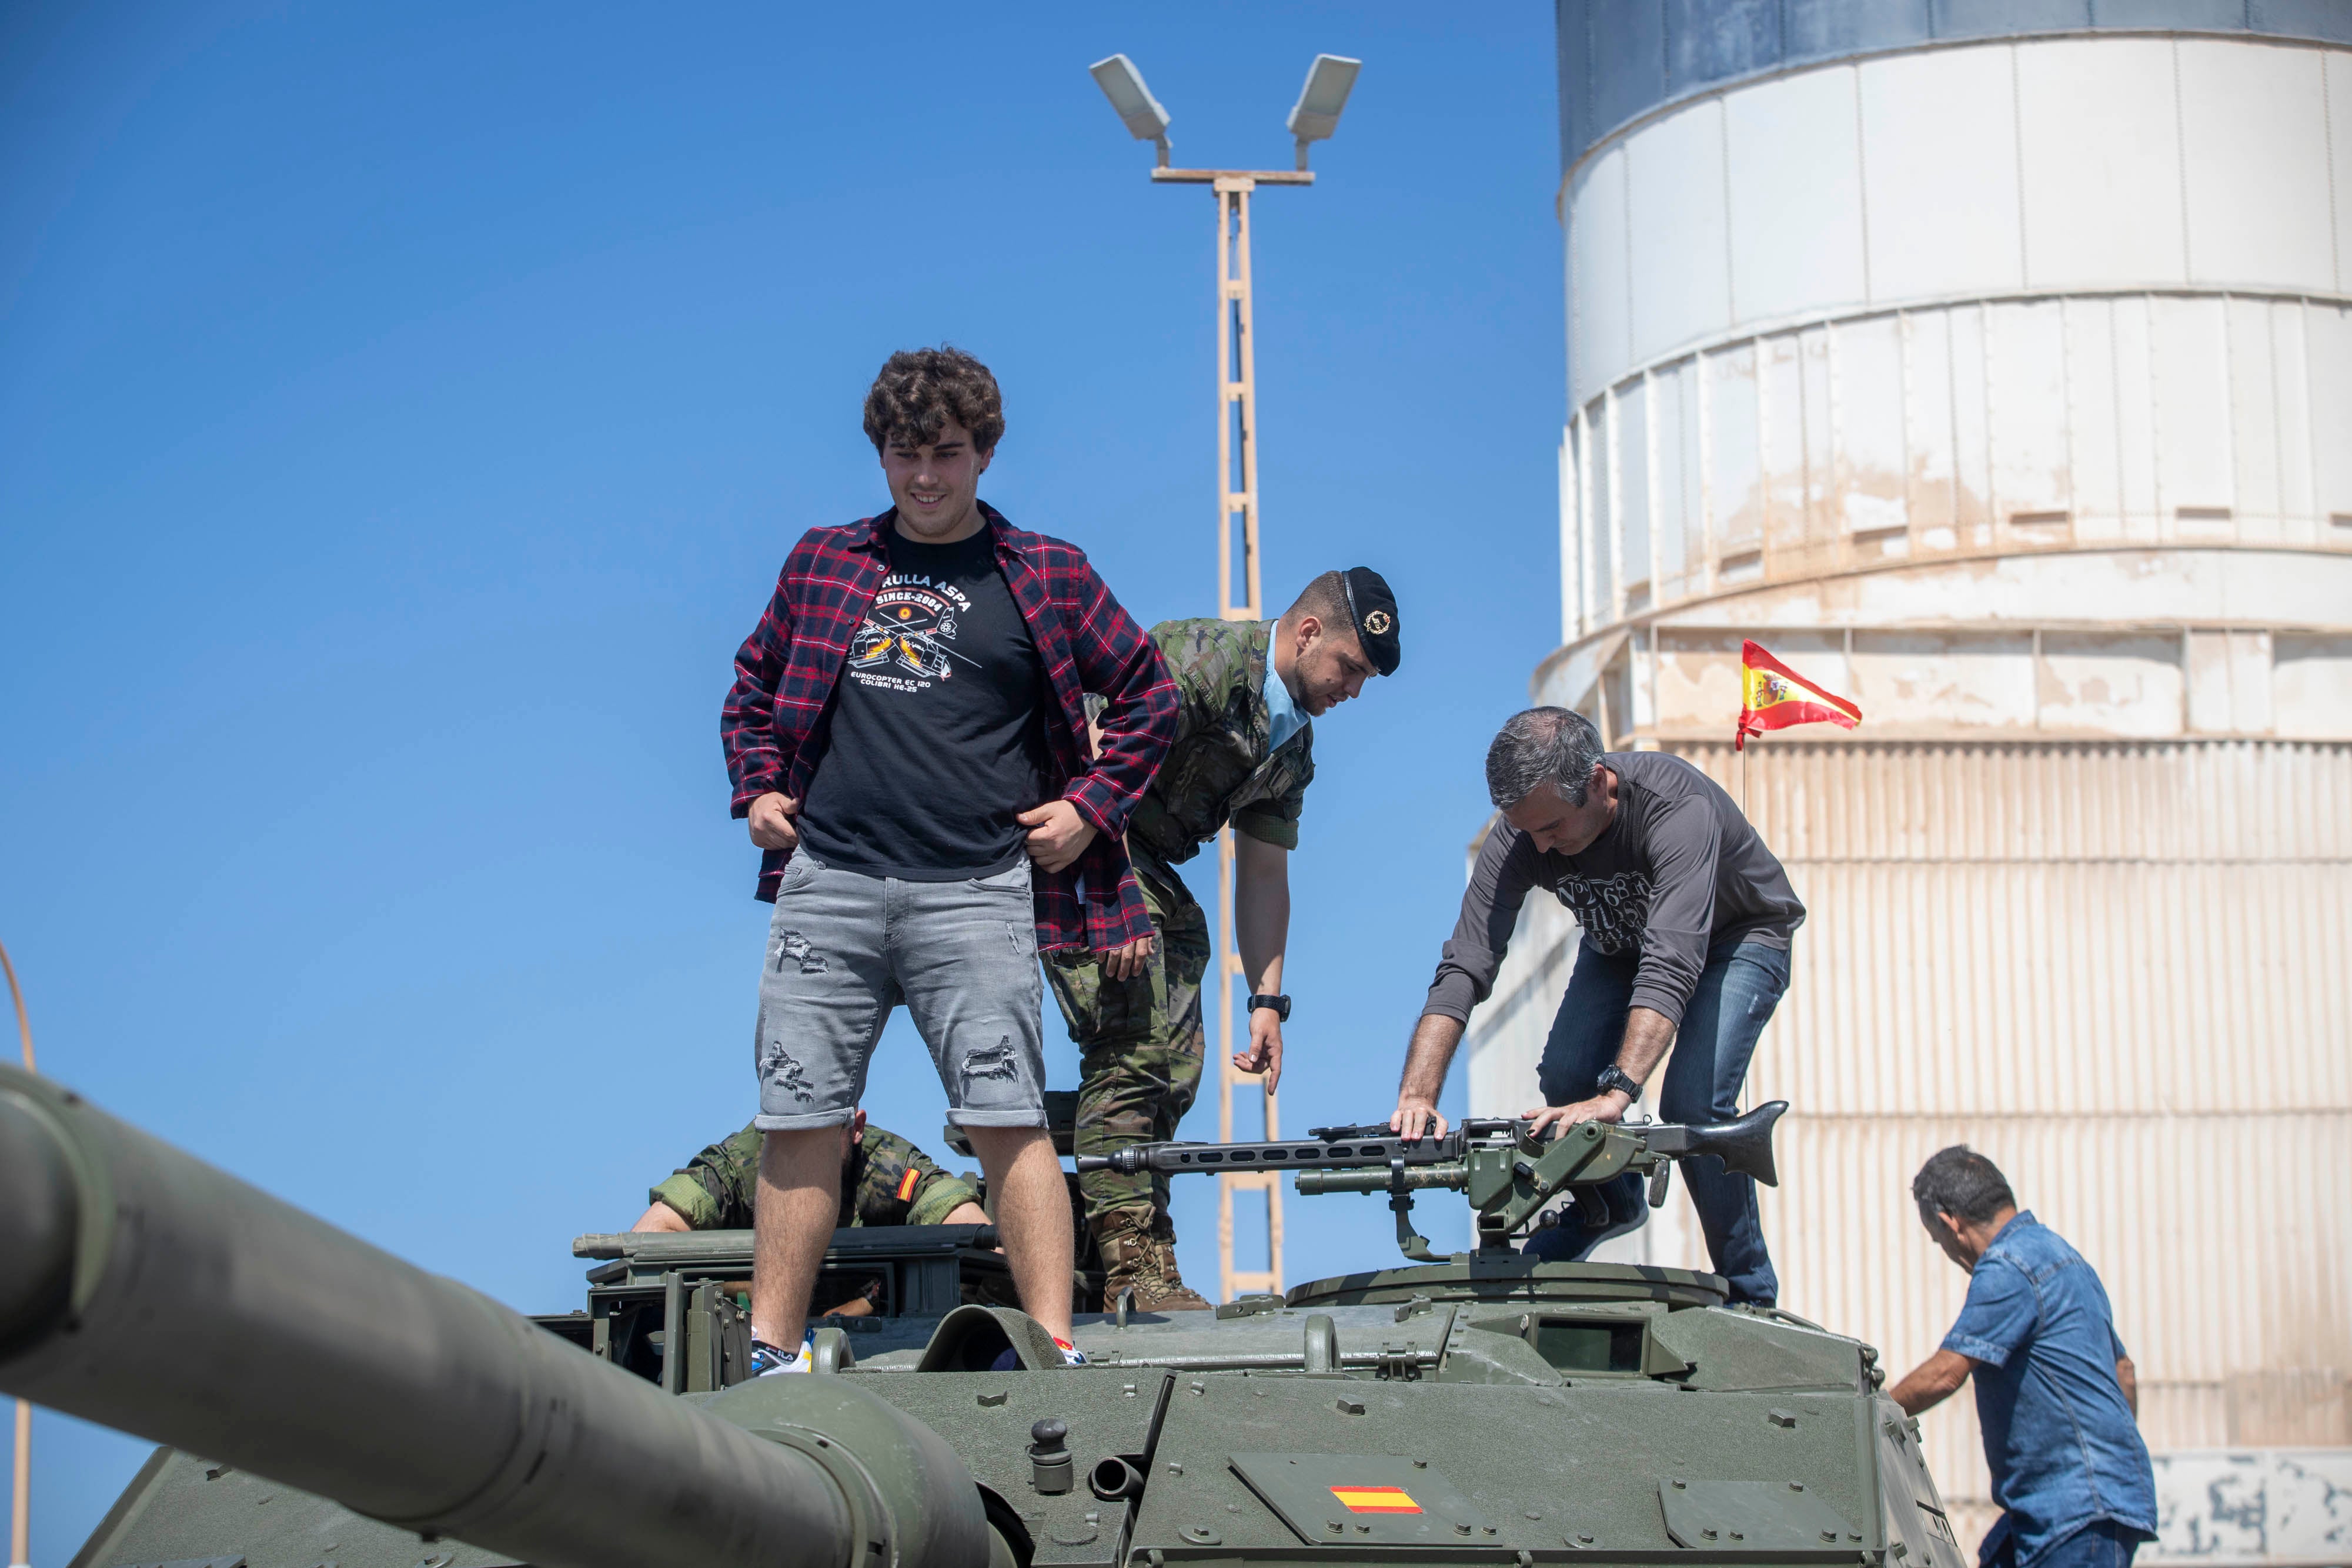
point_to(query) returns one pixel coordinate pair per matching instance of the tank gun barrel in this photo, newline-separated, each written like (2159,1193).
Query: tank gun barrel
(151,1292)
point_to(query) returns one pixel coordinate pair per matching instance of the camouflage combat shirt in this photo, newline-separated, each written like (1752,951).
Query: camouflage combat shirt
(888,1181)
(1221,767)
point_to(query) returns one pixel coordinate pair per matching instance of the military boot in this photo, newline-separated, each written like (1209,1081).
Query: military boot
(1135,1258)
(1180,1296)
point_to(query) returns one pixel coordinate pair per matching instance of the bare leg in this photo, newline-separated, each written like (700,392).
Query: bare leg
(799,1198)
(1033,1213)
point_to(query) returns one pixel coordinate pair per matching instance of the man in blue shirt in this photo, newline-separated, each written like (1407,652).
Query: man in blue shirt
(2055,1394)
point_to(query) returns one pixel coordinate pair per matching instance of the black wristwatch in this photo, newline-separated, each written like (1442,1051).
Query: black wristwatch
(1614,1077)
(1281,1005)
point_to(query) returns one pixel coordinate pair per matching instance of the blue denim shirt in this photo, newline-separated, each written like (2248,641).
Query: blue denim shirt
(2061,1443)
(1281,708)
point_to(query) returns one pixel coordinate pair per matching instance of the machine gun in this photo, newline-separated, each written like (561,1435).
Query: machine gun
(1507,1174)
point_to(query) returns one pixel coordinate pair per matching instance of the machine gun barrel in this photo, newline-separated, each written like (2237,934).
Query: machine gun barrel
(154,1293)
(1351,1147)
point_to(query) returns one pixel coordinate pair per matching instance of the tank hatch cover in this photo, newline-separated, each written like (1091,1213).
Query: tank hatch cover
(1356,1499)
(1752,1516)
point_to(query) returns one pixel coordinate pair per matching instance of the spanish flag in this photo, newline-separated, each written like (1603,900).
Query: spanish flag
(1774,697)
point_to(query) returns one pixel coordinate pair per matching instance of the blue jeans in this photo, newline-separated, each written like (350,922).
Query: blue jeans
(1728,1010)
(2102,1544)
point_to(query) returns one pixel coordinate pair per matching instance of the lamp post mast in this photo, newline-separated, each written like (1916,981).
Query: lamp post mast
(1237,519)
(1328,82)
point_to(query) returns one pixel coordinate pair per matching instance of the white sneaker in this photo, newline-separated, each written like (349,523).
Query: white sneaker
(1071,1355)
(767,1360)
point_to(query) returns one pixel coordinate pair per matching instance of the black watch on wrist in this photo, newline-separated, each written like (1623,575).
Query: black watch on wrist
(1614,1077)
(1281,1005)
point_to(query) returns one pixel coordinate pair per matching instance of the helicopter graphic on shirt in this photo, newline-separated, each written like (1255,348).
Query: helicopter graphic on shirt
(910,627)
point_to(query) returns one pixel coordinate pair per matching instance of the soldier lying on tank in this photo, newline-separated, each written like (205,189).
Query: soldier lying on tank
(1242,755)
(884,1180)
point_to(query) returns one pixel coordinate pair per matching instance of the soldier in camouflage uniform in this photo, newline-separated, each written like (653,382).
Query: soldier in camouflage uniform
(1243,754)
(884,1180)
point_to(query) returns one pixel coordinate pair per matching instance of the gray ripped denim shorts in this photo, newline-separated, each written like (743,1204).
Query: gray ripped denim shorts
(845,947)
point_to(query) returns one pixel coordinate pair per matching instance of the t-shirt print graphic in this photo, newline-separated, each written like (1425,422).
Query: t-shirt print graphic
(906,640)
(1614,911)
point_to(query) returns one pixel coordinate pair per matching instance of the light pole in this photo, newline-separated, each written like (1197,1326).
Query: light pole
(1315,116)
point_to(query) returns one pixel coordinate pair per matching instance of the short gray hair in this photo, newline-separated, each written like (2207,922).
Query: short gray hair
(1543,745)
(1960,1181)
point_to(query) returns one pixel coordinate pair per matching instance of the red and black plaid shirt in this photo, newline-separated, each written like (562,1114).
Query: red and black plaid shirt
(786,672)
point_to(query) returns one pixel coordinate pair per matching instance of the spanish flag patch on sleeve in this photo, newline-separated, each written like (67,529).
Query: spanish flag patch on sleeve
(1375,1500)
(908,1182)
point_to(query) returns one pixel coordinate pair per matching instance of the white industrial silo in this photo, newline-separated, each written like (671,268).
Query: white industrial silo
(1991,361)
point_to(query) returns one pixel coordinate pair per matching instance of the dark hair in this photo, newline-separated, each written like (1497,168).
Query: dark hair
(1543,745)
(1960,1181)
(921,389)
(1326,598)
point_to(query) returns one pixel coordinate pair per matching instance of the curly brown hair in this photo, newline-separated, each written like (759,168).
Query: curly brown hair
(919,389)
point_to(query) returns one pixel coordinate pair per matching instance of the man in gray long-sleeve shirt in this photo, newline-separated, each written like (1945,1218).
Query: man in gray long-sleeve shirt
(1686,918)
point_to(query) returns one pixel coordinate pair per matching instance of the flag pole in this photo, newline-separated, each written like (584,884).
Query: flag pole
(20,1521)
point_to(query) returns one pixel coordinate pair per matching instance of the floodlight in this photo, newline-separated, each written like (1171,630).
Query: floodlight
(1329,81)
(1123,85)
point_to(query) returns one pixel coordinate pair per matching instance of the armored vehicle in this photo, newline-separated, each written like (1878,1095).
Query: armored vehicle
(323,1402)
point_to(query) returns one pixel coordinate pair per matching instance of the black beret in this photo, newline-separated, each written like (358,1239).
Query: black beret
(1373,609)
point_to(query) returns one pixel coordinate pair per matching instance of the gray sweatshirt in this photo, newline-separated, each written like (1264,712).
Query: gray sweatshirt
(1676,872)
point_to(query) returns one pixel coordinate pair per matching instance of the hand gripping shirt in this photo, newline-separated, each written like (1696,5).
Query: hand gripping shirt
(1223,765)
(1677,872)
(2062,1444)
(888,1181)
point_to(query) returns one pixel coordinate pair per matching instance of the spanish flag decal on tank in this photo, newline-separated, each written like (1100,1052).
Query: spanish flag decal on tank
(1375,1500)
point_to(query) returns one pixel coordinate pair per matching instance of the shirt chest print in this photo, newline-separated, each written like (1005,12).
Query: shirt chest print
(907,640)
(1614,911)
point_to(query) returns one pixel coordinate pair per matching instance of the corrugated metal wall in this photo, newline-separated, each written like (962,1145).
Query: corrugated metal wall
(2124,972)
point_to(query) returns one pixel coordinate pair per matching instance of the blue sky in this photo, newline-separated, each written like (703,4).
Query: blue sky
(404,411)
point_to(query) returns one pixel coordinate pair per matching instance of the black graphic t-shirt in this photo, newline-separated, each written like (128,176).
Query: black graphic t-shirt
(938,723)
(1679,870)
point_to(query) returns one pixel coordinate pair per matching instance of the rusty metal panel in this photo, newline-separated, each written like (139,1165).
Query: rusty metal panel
(1679,540)
(2194,458)
(1869,483)
(1731,460)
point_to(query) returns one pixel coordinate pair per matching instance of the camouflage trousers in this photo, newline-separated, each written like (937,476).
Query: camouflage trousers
(1140,1042)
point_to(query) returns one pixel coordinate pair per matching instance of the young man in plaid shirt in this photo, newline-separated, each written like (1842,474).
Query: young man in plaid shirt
(907,735)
